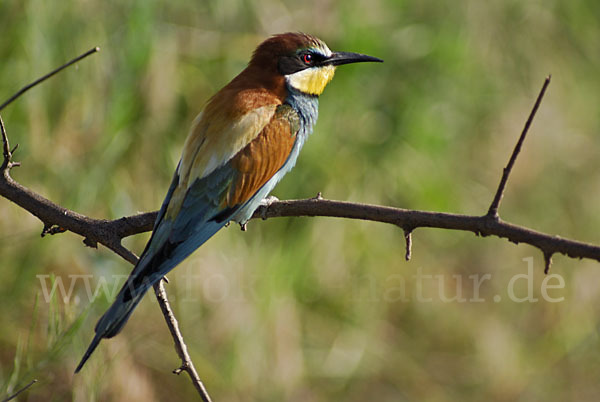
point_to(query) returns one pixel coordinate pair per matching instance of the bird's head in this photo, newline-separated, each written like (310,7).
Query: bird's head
(304,60)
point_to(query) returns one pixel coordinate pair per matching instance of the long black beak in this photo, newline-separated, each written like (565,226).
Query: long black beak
(339,58)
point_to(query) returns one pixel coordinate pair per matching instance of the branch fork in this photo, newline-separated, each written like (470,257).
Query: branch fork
(7,153)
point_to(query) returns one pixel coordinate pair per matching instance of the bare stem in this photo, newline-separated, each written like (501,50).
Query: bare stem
(13,396)
(180,346)
(45,77)
(493,211)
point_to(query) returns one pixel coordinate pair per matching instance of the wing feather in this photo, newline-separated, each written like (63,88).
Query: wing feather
(258,161)
(217,135)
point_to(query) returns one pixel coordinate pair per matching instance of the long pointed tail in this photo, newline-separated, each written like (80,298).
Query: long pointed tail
(88,352)
(155,262)
(111,323)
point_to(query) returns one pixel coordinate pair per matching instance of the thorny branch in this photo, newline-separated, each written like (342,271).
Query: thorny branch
(109,233)
(57,219)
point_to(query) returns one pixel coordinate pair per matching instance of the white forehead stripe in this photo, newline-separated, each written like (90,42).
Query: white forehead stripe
(325,50)
(320,46)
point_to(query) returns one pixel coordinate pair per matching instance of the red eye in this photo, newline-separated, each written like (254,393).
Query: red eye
(307,58)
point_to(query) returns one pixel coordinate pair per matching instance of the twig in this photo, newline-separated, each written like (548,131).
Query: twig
(13,396)
(180,346)
(50,74)
(493,211)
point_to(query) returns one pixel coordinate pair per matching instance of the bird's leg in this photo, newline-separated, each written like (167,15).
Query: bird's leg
(266,203)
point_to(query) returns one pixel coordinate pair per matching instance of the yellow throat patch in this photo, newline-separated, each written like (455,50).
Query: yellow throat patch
(312,80)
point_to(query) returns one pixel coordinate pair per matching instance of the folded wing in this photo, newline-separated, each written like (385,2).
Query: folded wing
(197,206)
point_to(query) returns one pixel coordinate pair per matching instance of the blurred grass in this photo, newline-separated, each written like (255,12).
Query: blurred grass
(311,309)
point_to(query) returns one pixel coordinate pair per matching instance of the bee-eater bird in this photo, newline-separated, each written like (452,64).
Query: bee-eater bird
(244,141)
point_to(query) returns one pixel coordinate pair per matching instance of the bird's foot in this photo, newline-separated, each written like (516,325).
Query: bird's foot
(266,203)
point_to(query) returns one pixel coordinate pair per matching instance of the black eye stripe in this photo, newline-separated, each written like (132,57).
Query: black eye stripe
(298,62)
(291,64)
(313,57)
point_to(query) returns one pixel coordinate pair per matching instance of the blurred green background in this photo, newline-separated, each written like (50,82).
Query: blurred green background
(311,309)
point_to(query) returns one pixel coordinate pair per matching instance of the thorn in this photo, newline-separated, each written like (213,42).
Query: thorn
(179,370)
(408,239)
(319,196)
(14,164)
(14,149)
(45,229)
(244,226)
(51,229)
(165,279)
(90,243)
(547,262)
